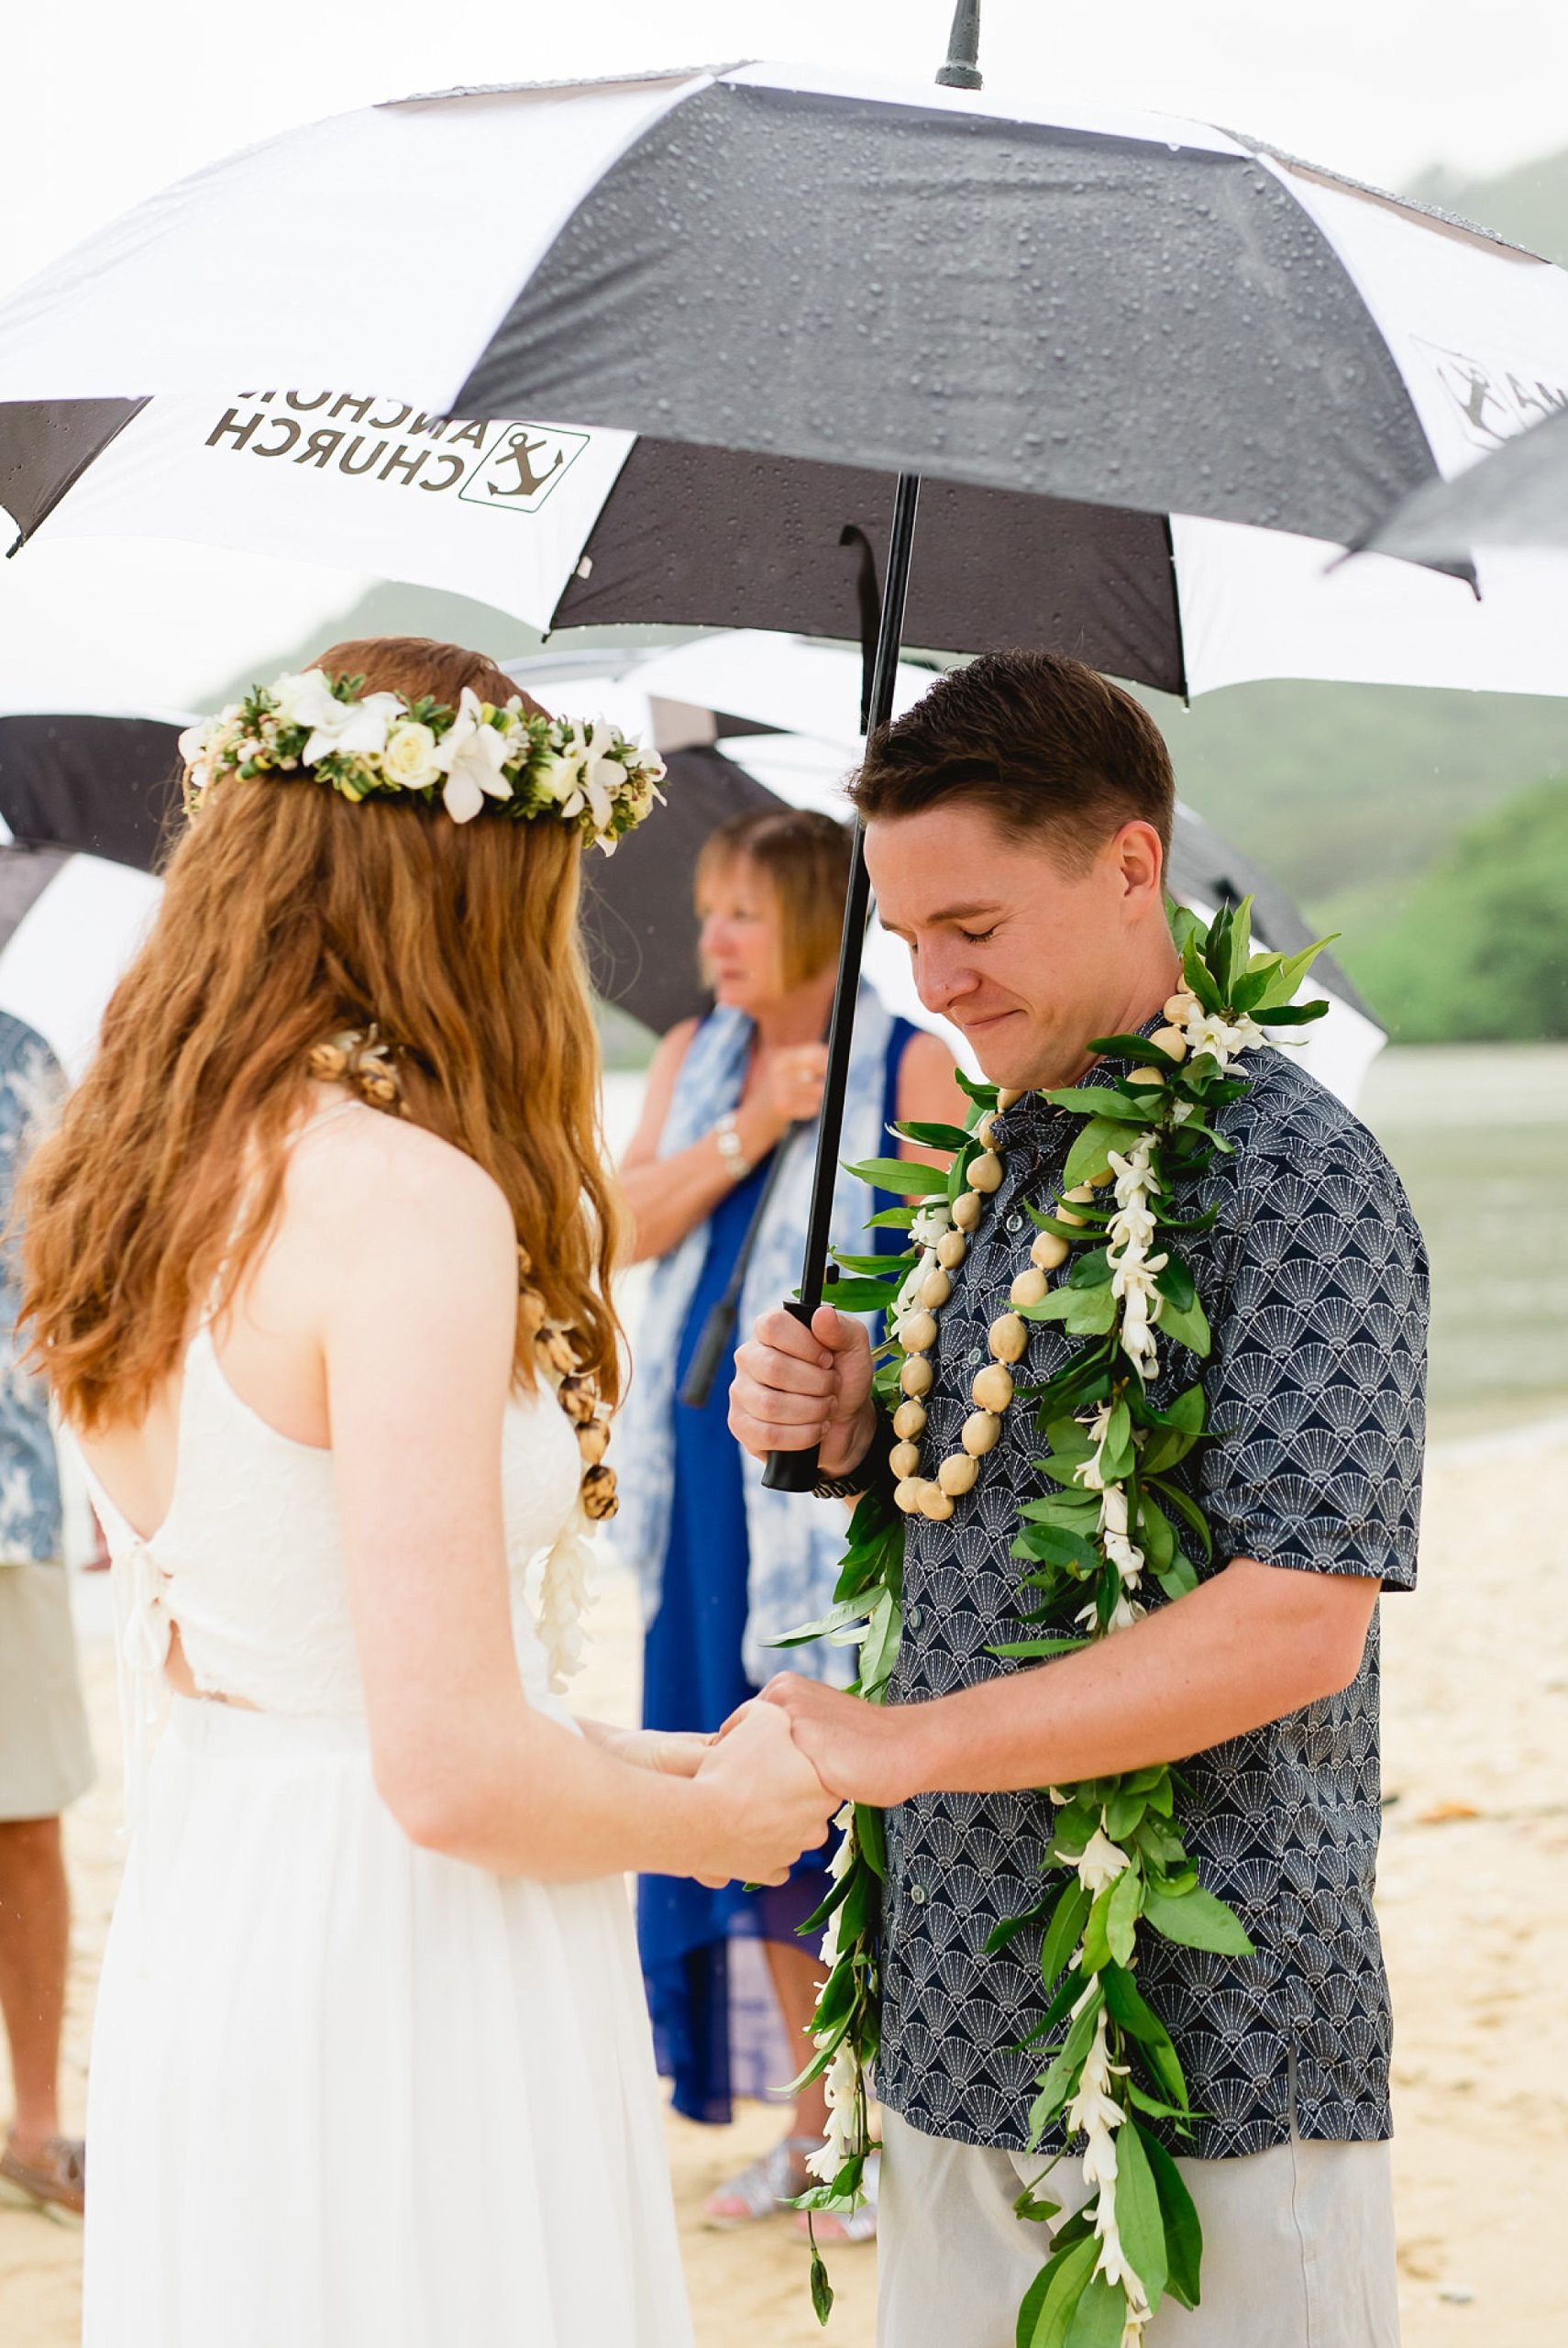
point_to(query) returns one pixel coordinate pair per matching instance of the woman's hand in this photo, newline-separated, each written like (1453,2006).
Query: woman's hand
(673,1752)
(770,1804)
(789,1089)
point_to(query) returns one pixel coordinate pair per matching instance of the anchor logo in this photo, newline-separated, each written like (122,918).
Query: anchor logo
(521,467)
(518,450)
(1495,402)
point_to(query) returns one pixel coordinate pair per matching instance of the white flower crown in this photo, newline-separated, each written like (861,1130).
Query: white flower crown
(473,759)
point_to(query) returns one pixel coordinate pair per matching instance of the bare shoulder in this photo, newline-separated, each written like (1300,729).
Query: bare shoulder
(377,1181)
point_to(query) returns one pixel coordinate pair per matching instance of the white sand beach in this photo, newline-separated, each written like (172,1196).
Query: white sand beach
(1473,1895)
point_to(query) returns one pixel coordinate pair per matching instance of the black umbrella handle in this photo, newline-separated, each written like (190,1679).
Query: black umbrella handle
(796,1471)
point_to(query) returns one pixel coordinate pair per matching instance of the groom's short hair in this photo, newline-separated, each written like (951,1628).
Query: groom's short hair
(1046,746)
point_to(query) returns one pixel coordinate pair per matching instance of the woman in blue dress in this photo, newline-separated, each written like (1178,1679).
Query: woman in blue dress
(728,1567)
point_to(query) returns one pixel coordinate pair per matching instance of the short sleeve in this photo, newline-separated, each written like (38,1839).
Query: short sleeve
(1316,1379)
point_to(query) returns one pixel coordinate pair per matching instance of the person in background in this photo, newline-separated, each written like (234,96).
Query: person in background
(729,1567)
(46,1759)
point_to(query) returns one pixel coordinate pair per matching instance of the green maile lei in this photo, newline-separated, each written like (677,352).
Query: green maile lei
(1108,1512)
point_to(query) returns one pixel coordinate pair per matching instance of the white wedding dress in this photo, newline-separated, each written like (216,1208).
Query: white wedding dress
(345,2092)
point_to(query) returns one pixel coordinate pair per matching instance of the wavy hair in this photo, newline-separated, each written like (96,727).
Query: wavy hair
(288,914)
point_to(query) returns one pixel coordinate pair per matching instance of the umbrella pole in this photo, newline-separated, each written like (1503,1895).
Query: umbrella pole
(796,1471)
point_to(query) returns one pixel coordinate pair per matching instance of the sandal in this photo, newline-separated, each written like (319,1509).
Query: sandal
(848,2226)
(56,2183)
(764,2190)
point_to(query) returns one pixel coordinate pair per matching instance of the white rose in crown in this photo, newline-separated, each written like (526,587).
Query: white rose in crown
(471,754)
(410,758)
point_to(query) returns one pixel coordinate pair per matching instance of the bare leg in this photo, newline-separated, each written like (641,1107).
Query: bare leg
(796,1972)
(35,1934)
(781,2174)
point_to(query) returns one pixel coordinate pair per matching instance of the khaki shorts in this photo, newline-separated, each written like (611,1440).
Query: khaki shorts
(1298,2246)
(46,1757)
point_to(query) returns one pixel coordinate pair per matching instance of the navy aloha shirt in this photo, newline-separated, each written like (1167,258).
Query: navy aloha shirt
(31,1087)
(1314,1280)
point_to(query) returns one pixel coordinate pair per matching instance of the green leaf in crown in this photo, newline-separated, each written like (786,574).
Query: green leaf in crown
(1107,1522)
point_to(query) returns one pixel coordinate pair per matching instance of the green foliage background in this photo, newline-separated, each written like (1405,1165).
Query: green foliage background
(1481,948)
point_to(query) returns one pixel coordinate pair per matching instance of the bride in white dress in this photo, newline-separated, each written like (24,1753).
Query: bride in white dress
(370,2066)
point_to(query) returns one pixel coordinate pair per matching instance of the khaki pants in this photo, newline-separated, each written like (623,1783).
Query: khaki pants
(46,1759)
(1298,2246)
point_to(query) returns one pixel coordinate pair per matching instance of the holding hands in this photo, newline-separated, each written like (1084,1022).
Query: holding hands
(768,1803)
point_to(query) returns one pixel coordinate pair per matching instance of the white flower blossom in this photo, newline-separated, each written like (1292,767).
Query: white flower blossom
(471,755)
(841,2093)
(930,1221)
(1125,1612)
(1134,1280)
(1115,1539)
(349,728)
(582,775)
(1094,2112)
(1101,1862)
(1088,1472)
(908,1298)
(843,1859)
(1223,1038)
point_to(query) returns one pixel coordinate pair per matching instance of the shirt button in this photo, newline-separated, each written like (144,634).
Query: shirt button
(914,1616)
(917,1894)
(974,1357)
(1015,1221)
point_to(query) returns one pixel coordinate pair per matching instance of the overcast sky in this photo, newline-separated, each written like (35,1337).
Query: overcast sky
(110,102)
(117,100)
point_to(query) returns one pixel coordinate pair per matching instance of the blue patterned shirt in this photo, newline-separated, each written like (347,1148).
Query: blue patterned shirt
(31,1087)
(1314,1280)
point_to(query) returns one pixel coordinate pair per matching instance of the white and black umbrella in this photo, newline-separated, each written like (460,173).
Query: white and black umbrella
(678,331)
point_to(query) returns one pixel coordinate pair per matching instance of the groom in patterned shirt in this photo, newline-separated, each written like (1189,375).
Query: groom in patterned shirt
(1017,821)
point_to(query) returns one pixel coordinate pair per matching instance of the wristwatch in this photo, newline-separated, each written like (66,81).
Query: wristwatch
(871,1472)
(732,1149)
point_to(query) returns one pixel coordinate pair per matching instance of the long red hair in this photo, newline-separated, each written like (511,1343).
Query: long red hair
(288,914)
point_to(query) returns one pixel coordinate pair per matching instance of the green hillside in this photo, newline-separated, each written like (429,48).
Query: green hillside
(1344,789)
(1480,949)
